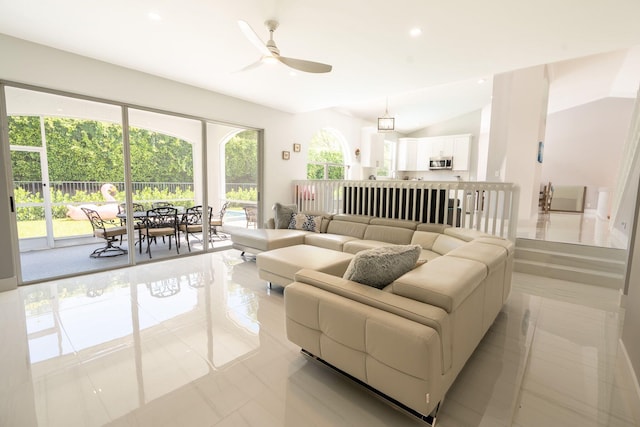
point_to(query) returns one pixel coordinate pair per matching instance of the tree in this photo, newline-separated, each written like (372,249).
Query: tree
(90,150)
(325,150)
(241,158)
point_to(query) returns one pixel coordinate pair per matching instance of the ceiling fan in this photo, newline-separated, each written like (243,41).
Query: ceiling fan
(271,53)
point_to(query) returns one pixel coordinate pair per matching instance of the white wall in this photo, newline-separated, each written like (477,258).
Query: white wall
(584,145)
(631,326)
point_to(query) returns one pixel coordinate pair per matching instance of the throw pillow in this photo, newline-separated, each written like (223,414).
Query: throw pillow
(378,267)
(282,214)
(300,221)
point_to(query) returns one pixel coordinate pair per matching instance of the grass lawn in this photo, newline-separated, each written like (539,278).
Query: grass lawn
(61,228)
(68,227)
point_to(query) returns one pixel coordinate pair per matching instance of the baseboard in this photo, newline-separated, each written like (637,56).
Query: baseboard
(629,381)
(8,284)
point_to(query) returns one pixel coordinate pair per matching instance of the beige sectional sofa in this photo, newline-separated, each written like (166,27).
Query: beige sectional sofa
(408,340)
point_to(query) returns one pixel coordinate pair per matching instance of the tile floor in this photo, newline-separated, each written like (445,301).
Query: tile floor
(584,228)
(200,341)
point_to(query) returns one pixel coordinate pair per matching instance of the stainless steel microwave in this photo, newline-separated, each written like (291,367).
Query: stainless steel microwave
(440,163)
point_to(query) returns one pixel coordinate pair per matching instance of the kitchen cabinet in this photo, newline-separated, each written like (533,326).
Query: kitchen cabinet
(414,153)
(372,151)
(440,146)
(407,150)
(461,152)
(422,154)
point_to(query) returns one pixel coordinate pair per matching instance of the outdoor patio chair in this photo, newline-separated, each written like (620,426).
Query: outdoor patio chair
(161,222)
(107,230)
(161,205)
(216,222)
(191,223)
(122,212)
(251,212)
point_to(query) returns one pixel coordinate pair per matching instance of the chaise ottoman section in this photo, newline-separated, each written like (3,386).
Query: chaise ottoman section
(279,266)
(265,239)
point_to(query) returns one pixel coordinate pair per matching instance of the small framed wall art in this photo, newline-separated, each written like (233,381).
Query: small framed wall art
(285,155)
(296,148)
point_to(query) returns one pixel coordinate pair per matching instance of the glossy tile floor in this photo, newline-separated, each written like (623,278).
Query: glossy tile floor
(584,228)
(200,341)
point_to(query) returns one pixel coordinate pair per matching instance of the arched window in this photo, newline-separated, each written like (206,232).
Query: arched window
(326,158)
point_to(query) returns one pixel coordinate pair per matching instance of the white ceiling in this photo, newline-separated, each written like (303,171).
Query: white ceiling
(425,79)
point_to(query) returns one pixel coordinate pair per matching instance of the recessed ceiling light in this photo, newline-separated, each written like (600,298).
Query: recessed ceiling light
(154,16)
(482,81)
(415,32)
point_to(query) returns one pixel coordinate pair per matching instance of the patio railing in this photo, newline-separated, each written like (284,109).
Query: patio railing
(490,207)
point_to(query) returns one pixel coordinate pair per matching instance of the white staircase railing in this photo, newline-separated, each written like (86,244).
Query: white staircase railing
(490,207)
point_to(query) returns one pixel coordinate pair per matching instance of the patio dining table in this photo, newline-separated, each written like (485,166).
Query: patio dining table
(140,216)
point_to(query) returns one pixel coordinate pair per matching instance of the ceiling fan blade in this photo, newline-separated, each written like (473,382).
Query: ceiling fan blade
(253,37)
(303,65)
(251,66)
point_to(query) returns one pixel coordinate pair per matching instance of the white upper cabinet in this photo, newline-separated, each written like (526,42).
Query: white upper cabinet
(372,151)
(461,152)
(414,153)
(407,150)
(422,154)
(440,146)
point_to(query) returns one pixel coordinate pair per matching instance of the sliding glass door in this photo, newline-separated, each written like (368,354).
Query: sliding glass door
(73,161)
(167,169)
(66,155)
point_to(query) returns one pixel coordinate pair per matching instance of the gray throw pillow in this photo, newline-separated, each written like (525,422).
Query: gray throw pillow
(282,214)
(379,267)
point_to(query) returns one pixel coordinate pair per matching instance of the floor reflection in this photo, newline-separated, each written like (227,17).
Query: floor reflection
(102,350)
(131,341)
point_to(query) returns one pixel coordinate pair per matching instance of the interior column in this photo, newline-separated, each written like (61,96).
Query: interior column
(518,122)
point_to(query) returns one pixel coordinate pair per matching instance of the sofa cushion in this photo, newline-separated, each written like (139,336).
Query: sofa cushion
(425,314)
(398,223)
(380,266)
(282,214)
(444,282)
(385,233)
(466,234)
(326,218)
(428,255)
(490,255)
(434,228)
(265,239)
(426,239)
(498,241)
(356,245)
(328,240)
(444,244)
(280,265)
(301,221)
(347,228)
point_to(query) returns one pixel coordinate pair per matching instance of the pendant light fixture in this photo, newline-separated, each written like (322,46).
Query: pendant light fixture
(386,123)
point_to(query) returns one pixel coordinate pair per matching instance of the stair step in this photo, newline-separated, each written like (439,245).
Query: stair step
(598,263)
(573,262)
(569,273)
(573,249)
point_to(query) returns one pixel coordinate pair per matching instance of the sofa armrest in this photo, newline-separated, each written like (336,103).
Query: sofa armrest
(417,311)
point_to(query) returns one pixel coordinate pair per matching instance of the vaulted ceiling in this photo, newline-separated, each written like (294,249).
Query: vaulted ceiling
(590,44)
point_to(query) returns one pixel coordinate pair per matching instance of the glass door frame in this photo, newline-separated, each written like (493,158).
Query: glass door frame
(49,238)
(207,169)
